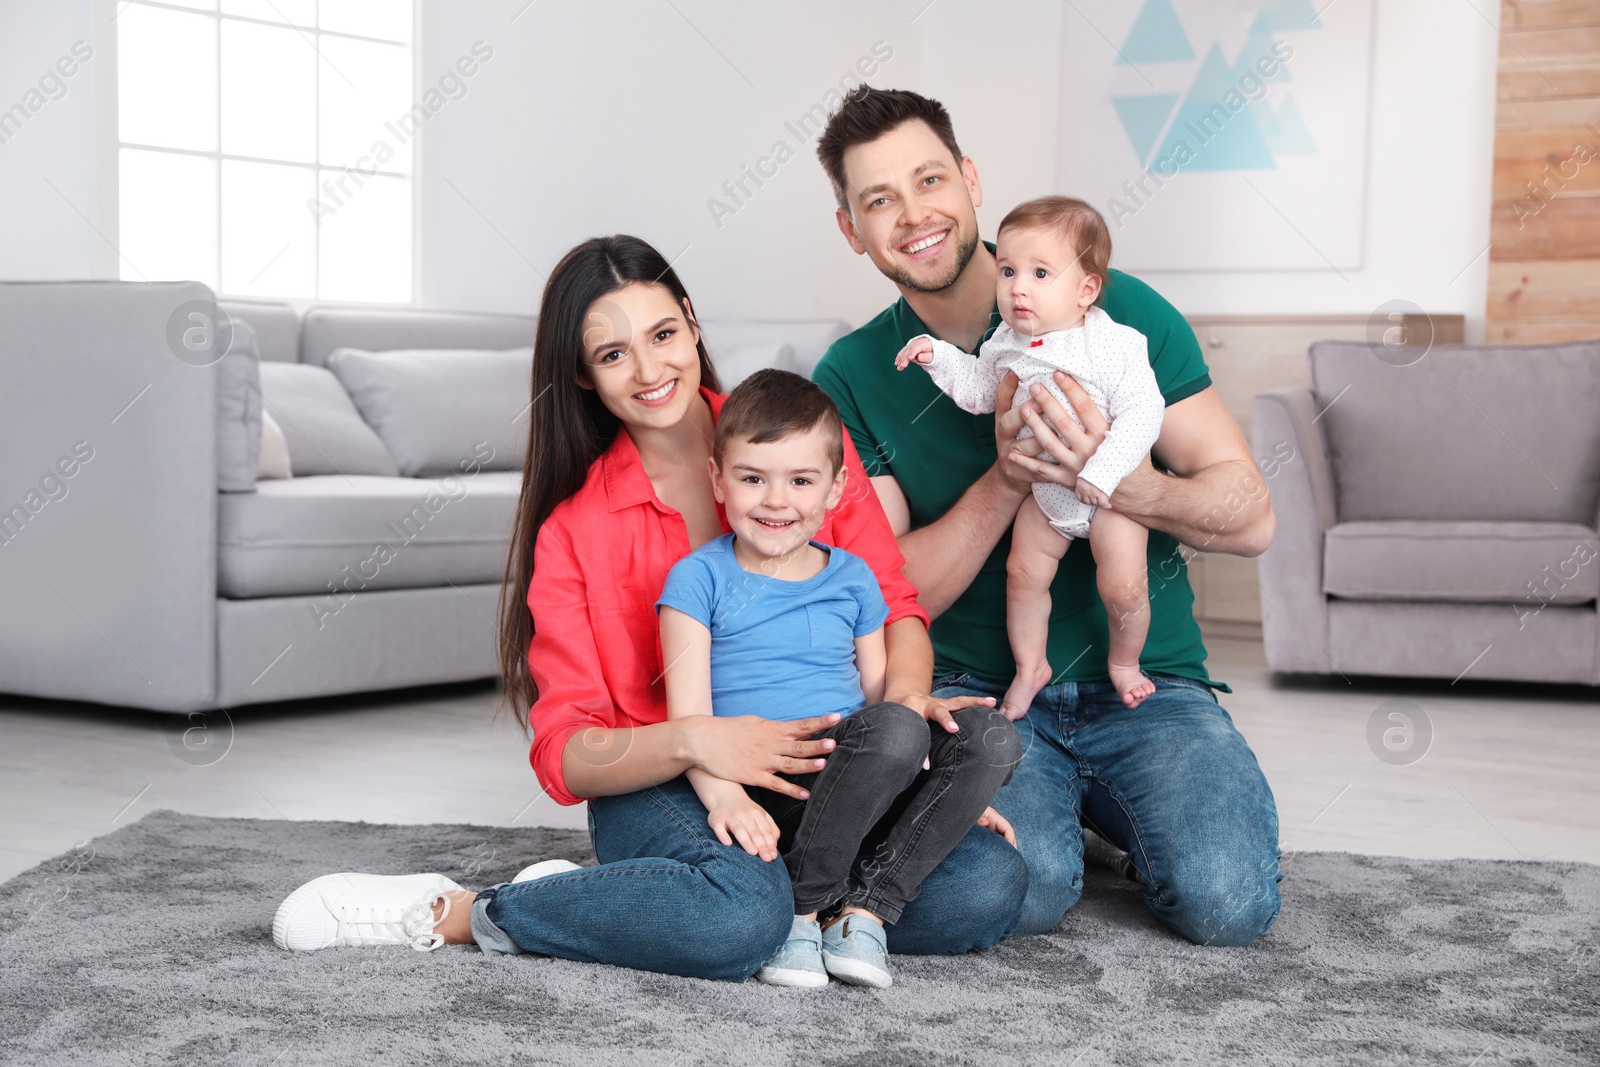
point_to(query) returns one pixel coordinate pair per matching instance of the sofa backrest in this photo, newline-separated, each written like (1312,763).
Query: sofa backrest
(327,329)
(809,338)
(282,335)
(277,327)
(1493,433)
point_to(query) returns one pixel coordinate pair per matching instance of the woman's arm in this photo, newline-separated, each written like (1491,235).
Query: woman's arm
(861,527)
(584,747)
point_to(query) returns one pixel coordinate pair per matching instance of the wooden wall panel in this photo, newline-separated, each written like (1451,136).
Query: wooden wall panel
(1544,229)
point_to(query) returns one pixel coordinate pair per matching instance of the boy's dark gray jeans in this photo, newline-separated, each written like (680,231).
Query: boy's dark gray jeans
(876,823)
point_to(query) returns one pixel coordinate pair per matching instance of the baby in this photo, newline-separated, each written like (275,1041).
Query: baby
(766,621)
(1053,254)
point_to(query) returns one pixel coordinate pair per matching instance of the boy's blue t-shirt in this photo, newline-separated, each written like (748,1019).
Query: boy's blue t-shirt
(779,649)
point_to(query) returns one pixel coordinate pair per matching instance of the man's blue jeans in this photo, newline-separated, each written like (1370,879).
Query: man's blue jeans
(1171,782)
(668,896)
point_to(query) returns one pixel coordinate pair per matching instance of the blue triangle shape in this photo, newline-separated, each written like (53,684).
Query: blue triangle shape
(1211,136)
(1143,119)
(1156,36)
(1287,135)
(1258,46)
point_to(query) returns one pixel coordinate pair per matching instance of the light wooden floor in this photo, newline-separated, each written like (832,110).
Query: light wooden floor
(1512,772)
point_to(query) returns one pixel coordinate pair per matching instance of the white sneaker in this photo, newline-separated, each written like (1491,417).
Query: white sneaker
(544,867)
(354,910)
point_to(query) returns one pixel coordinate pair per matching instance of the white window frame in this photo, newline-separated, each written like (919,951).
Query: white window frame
(108,261)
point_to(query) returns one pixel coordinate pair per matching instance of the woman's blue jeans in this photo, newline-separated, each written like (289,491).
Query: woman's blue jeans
(669,897)
(1171,782)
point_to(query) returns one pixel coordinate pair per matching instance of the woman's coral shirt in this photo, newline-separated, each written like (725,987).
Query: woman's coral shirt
(599,564)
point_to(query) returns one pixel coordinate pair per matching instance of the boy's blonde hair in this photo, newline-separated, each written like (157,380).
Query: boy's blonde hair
(1078,223)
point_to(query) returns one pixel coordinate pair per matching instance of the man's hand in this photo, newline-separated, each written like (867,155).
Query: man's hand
(917,350)
(999,824)
(1062,437)
(743,818)
(1086,492)
(940,709)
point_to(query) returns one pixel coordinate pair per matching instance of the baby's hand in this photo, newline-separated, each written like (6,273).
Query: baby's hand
(918,349)
(1090,495)
(743,818)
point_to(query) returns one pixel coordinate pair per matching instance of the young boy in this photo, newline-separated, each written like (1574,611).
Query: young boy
(765,621)
(1053,254)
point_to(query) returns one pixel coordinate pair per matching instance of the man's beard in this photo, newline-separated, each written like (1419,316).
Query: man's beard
(902,277)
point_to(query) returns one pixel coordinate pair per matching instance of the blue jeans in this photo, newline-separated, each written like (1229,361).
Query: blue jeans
(669,897)
(1170,782)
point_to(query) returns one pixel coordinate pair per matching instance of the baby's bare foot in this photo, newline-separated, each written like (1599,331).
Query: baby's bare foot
(1131,684)
(1024,687)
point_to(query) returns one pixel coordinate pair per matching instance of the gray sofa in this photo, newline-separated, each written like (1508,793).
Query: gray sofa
(139,567)
(1436,518)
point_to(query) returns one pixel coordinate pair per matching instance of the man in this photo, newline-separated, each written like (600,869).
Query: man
(1170,782)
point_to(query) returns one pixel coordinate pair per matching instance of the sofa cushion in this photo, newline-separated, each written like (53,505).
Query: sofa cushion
(239,412)
(1530,563)
(333,535)
(735,363)
(1464,433)
(273,461)
(810,338)
(446,410)
(324,430)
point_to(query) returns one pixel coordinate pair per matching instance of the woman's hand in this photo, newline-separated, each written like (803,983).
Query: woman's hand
(999,824)
(1062,437)
(940,709)
(751,750)
(742,818)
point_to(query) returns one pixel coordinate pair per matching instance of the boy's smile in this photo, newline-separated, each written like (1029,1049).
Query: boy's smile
(777,495)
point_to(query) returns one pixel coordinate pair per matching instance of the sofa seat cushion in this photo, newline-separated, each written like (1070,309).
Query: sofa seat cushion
(330,535)
(1494,562)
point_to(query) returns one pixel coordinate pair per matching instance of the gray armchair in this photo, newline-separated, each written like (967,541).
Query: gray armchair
(1435,518)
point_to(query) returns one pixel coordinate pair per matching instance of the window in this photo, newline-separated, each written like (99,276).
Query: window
(265,146)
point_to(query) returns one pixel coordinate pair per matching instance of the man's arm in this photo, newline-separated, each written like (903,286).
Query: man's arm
(1214,499)
(944,556)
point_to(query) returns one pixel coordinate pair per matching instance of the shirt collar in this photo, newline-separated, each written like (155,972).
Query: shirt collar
(627,484)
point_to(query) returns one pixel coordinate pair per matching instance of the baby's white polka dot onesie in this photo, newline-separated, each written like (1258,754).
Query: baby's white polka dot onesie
(1111,363)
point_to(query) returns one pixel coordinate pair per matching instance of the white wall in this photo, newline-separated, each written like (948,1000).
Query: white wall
(45,232)
(629,116)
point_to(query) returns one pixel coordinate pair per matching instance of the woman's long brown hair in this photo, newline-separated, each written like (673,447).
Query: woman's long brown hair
(568,426)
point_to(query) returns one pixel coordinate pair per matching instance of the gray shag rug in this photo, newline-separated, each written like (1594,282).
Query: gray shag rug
(153,945)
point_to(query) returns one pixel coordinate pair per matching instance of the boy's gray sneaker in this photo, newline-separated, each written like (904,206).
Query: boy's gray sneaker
(856,950)
(798,961)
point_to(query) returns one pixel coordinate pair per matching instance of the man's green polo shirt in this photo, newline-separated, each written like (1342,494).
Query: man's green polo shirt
(902,425)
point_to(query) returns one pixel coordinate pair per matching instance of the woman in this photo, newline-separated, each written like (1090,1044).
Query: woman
(614,492)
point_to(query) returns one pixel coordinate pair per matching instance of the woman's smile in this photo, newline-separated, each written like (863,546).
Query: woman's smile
(658,396)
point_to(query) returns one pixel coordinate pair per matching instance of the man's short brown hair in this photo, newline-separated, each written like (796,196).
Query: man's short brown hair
(772,404)
(866,115)
(1076,221)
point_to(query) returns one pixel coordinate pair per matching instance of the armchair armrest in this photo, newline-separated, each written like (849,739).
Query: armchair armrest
(1293,457)
(108,494)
